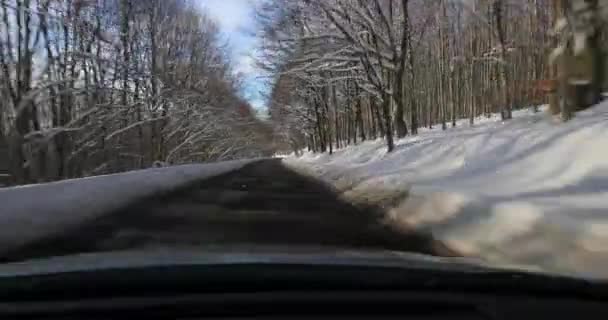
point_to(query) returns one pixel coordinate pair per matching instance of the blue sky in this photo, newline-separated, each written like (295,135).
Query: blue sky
(236,20)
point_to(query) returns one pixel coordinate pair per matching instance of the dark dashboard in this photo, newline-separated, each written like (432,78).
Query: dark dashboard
(287,290)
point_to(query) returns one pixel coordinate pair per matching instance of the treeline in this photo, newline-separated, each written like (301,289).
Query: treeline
(350,70)
(99,86)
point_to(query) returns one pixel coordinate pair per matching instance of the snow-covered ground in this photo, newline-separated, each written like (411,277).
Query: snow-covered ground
(529,191)
(32,212)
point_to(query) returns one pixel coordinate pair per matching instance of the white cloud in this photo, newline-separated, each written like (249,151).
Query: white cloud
(258,104)
(245,65)
(231,14)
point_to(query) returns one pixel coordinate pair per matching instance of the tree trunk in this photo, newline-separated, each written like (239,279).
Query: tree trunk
(388,124)
(359,116)
(334,102)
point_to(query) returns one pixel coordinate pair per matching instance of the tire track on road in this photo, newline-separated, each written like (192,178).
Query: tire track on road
(263,203)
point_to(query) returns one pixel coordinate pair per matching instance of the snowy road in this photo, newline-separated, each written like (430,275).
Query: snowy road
(528,192)
(259,202)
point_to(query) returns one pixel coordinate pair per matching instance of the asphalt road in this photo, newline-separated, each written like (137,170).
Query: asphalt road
(263,203)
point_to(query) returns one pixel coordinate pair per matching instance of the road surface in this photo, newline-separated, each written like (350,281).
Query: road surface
(263,203)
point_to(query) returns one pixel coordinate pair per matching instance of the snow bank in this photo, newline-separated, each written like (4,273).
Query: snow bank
(35,211)
(529,191)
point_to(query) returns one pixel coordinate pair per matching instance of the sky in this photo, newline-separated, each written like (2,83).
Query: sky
(237,25)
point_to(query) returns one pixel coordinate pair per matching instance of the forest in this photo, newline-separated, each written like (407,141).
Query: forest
(351,70)
(91,87)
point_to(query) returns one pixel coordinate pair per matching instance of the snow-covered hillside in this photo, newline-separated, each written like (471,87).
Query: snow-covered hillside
(529,191)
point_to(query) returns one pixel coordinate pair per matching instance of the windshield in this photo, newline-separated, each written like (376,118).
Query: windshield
(451,128)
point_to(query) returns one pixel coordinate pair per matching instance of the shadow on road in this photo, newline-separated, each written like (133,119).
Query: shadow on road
(263,203)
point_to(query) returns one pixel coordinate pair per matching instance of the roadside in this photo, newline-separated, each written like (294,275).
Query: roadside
(527,192)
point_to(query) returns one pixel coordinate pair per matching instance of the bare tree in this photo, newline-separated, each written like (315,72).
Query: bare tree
(106,85)
(414,63)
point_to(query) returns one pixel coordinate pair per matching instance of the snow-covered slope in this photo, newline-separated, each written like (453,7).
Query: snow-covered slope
(529,191)
(32,212)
